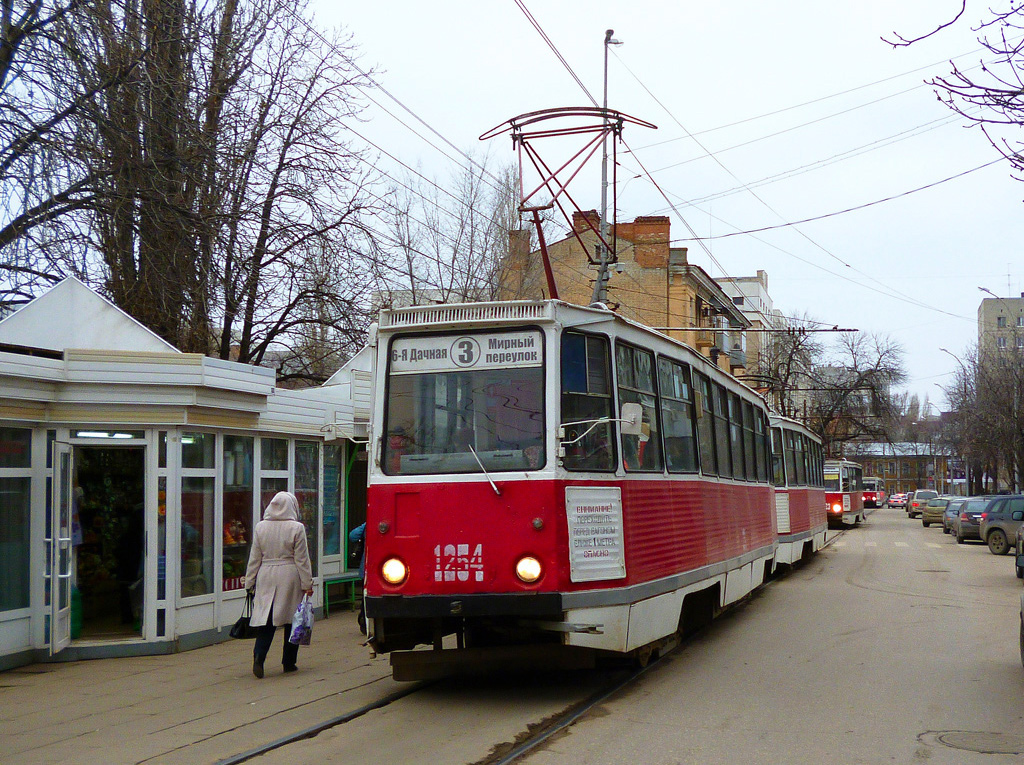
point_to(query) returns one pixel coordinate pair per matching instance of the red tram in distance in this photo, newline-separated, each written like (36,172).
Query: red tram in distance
(797,468)
(844,496)
(549,478)
(874,492)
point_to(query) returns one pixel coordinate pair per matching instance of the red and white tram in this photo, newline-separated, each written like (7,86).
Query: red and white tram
(844,497)
(548,474)
(797,468)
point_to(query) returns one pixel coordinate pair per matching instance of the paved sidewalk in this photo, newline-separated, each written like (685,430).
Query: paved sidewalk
(200,706)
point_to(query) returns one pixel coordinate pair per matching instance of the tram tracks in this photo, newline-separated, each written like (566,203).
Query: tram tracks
(320,727)
(544,726)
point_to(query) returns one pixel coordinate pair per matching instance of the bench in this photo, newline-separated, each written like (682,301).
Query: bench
(352,590)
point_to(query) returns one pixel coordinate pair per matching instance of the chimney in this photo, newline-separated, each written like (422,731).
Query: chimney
(651,237)
(579,221)
(519,246)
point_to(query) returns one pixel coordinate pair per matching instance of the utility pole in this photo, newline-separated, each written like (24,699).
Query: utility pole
(600,294)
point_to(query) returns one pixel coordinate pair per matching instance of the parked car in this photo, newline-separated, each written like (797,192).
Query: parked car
(968,524)
(951,512)
(898,500)
(917,500)
(1000,521)
(933,510)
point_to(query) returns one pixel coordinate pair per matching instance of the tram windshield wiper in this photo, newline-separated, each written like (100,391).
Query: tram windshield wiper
(484,470)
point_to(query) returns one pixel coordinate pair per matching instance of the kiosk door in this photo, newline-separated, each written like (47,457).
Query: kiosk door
(59,549)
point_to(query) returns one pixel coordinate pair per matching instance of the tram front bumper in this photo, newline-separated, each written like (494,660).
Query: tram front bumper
(537,605)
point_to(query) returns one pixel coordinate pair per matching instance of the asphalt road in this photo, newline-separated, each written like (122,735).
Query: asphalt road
(894,644)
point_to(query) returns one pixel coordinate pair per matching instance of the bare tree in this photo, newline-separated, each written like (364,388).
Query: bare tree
(204,181)
(789,357)
(851,390)
(449,241)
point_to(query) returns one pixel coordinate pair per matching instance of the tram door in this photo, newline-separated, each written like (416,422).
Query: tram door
(58,547)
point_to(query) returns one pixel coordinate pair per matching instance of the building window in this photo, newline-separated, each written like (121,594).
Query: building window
(1020,321)
(738,300)
(1001,342)
(1001,322)
(1020,342)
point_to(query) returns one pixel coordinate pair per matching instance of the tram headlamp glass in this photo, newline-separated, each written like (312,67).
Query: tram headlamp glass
(528,569)
(394,571)
(837,508)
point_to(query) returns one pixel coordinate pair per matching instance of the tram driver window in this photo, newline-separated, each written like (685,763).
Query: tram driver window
(586,396)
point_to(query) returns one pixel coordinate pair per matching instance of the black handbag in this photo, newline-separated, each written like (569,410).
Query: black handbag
(241,629)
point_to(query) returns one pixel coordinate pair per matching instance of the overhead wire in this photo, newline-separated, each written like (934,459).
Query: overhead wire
(892,292)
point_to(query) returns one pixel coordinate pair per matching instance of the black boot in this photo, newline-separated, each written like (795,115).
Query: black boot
(257,667)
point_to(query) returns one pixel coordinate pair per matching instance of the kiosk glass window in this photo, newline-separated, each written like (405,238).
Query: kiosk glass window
(307,491)
(238,500)
(197,535)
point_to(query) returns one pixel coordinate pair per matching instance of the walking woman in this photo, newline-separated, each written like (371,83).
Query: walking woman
(280,573)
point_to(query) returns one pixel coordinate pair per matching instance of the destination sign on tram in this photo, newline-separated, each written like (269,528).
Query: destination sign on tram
(451,353)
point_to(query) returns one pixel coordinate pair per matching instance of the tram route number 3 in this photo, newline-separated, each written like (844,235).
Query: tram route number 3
(455,563)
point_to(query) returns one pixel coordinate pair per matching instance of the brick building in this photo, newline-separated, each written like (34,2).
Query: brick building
(652,283)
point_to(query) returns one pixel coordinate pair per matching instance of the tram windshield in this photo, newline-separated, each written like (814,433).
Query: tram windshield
(832,482)
(456,402)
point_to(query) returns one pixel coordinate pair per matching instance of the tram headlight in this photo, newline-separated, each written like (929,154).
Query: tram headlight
(837,508)
(394,571)
(528,569)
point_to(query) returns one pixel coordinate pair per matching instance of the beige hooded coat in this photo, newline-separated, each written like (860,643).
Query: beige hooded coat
(278,562)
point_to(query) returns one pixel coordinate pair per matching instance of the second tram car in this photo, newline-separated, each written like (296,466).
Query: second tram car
(874,492)
(844,496)
(545,474)
(797,468)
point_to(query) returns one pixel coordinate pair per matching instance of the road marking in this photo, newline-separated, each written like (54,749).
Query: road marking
(936,545)
(871,544)
(901,544)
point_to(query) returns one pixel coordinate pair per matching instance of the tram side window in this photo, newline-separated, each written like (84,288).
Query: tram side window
(819,466)
(791,457)
(736,434)
(761,445)
(586,396)
(678,416)
(778,471)
(856,476)
(721,411)
(635,372)
(801,465)
(706,427)
(748,441)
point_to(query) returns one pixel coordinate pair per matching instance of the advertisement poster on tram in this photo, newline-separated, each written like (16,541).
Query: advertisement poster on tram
(596,549)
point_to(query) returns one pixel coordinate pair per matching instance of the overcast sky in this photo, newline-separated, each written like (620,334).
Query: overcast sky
(801,102)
